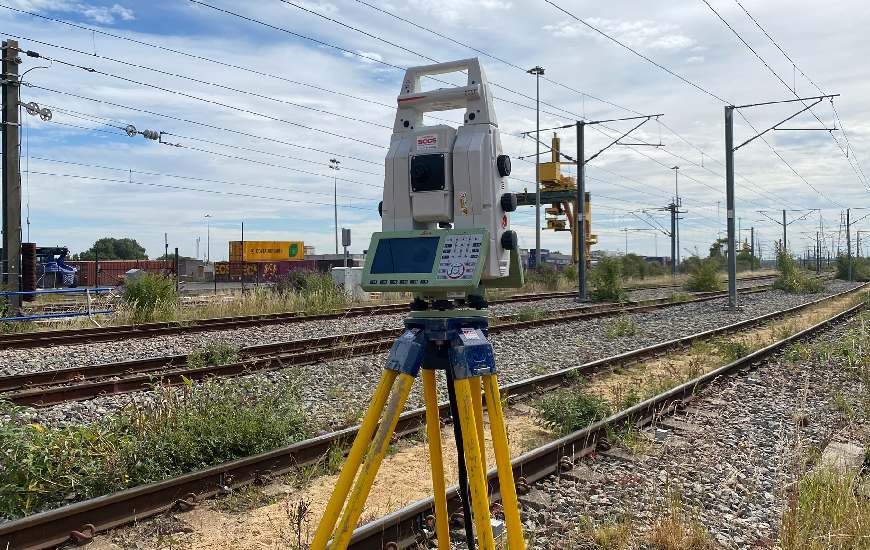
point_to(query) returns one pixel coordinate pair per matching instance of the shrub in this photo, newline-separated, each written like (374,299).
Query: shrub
(860,268)
(545,276)
(571,272)
(606,281)
(704,277)
(148,294)
(197,427)
(792,279)
(569,410)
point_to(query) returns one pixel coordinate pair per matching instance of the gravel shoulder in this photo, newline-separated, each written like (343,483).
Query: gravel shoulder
(335,393)
(730,458)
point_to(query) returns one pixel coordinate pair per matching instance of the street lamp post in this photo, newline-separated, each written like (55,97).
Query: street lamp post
(538,71)
(334,165)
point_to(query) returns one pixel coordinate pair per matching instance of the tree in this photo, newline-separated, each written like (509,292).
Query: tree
(110,248)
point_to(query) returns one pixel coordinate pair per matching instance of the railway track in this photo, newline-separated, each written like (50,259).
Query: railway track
(107,334)
(52,387)
(80,521)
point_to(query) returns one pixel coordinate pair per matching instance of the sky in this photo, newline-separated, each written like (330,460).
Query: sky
(253,99)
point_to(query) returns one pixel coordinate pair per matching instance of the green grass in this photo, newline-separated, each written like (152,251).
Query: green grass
(732,349)
(569,410)
(621,327)
(824,513)
(198,426)
(530,313)
(150,296)
(215,353)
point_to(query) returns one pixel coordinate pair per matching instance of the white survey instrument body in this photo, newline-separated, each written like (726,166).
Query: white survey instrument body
(439,174)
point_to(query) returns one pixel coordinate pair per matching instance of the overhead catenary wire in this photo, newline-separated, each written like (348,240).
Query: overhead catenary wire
(245,159)
(810,80)
(215,102)
(195,189)
(194,122)
(690,83)
(120,125)
(195,178)
(272,26)
(779,78)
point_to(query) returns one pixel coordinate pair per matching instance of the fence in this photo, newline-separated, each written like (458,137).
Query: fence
(111,272)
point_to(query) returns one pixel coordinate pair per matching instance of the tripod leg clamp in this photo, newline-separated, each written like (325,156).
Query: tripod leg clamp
(471,353)
(406,355)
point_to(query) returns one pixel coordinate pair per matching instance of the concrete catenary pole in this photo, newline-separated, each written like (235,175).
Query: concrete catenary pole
(10,262)
(729,206)
(580,211)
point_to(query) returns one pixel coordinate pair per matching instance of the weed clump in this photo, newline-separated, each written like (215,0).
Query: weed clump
(316,291)
(826,513)
(679,529)
(704,277)
(567,411)
(621,326)
(215,353)
(792,279)
(606,281)
(186,429)
(150,296)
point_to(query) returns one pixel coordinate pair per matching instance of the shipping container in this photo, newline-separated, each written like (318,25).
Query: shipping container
(266,251)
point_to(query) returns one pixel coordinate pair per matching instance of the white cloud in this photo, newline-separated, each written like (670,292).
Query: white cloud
(638,34)
(103,15)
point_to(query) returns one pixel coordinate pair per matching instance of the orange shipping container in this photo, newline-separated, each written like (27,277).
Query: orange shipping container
(267,251)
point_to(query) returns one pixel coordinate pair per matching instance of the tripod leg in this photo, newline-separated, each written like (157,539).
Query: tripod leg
(503,462)
(354,458)
(464,494)
(477,402)
(476,474)
(374,456)
(433,431)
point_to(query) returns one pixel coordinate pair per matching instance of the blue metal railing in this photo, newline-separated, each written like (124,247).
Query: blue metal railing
(86,291)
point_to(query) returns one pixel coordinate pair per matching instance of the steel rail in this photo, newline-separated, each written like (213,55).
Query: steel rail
(408,526)
(79,522)
(41,389)
(111,333)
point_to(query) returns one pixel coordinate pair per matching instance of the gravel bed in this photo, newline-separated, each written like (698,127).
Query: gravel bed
(335,392)
(60,357)
(730,456)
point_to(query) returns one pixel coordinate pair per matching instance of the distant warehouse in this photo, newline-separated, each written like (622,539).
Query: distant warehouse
(266,251)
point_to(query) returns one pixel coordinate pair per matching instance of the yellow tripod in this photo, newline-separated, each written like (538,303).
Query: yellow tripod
(458,345)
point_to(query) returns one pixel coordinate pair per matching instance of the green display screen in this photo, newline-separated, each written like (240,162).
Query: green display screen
(405,255)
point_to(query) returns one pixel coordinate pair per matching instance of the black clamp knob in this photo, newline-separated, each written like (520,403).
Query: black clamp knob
(508,202)
(503,162)
(381,209)
(509,240)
